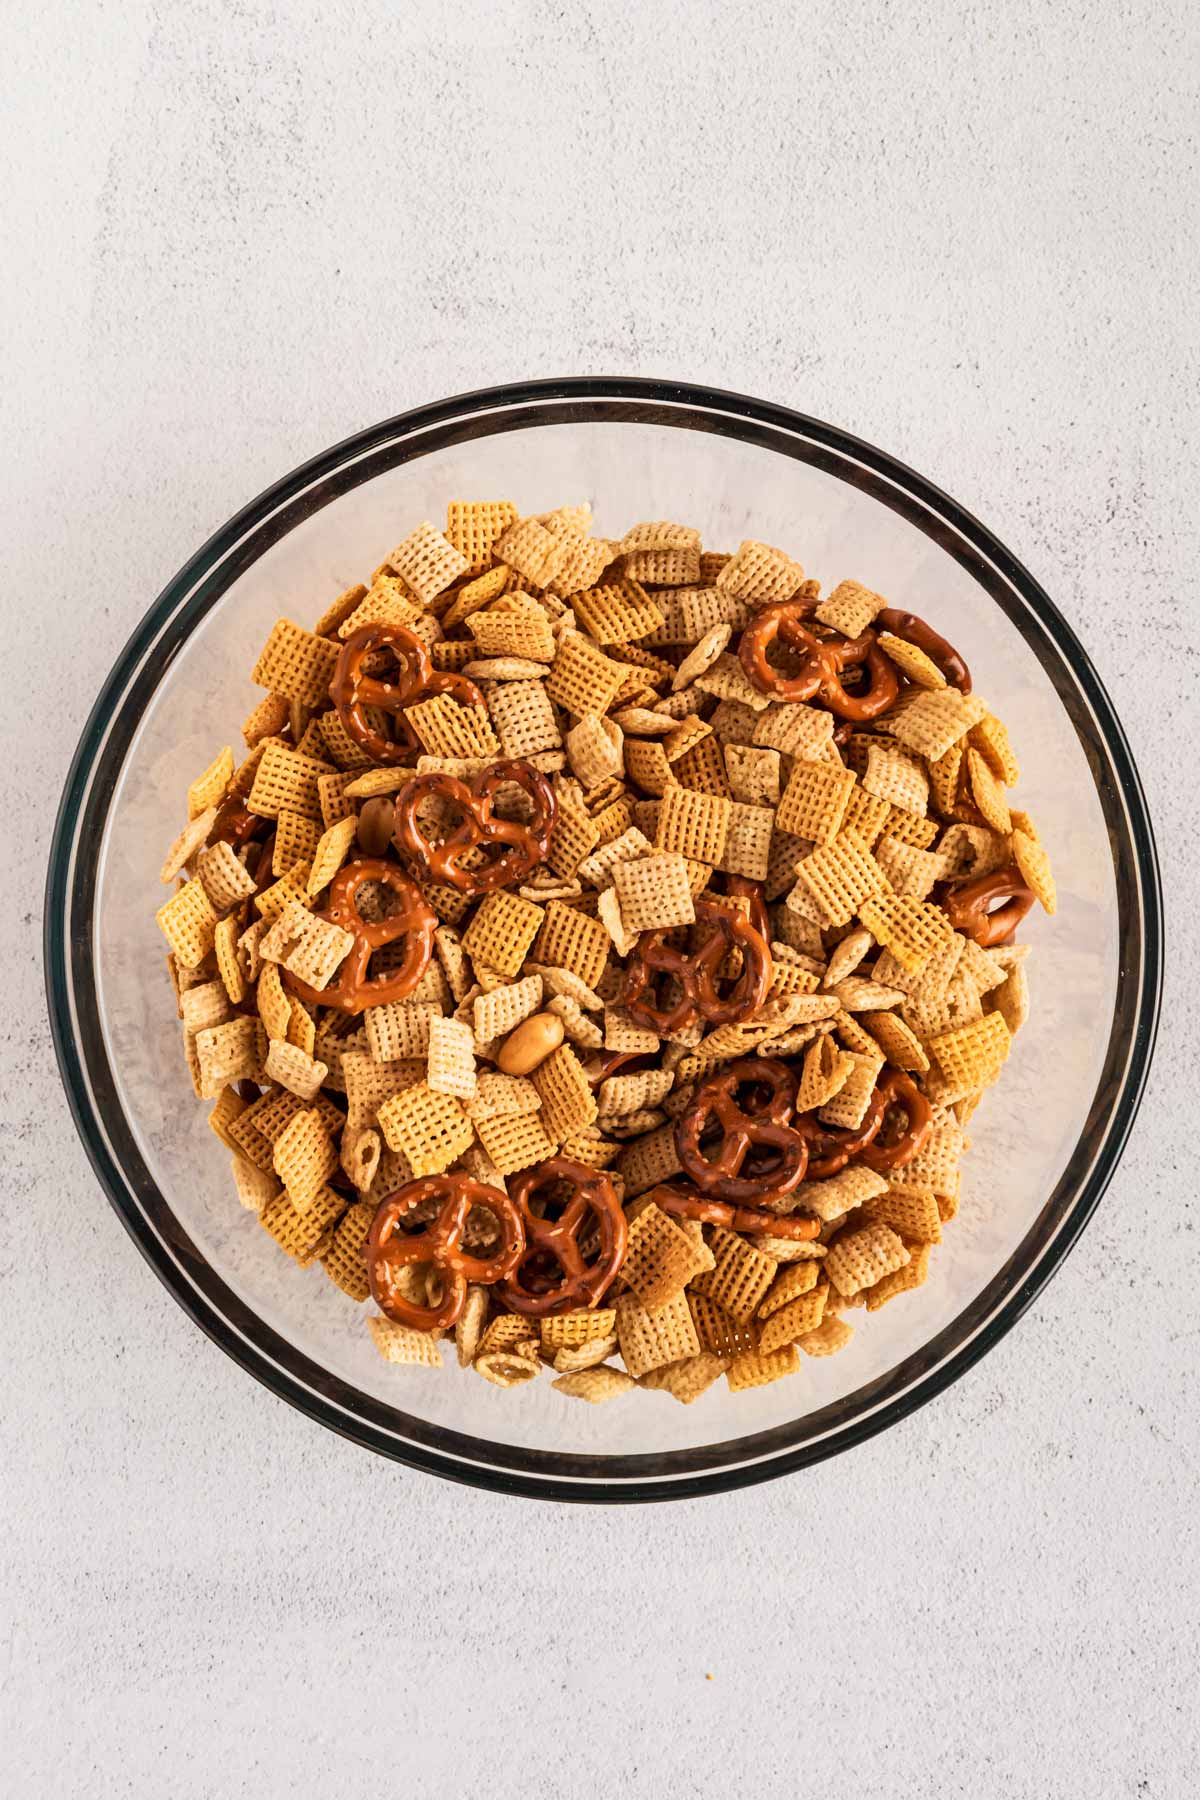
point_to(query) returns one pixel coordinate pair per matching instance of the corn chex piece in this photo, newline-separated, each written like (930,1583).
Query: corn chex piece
(911,929)
(390,601)
(973,1056)
(296,664)
(760,573)
(447,729)
(693,824)
(188,921)
(286,781)
(604,1382)
(660,1259)
(451,1057)
(567,1099)
(718,1330)
(814,801)
(990,737)
(837,877)
(899,1043)
(209,789)
(304,1236)
(430,1129)
(900,1281)
(831,1335)
(617,612)
(789,1285)
(474,527)
(838,1194)
(1034,864)
(345,1260)
(398,1343)
(514,1141)
(859,1258)
(583,680)
(651,1337)
(912,1214)
(849,608)
(794,1318)
(934,721)
(653,892)
(562,1331)
(574,838)
(755,1368)
(687,1379)
(502,930)
(304,1157)
(740,1277)
(569,940)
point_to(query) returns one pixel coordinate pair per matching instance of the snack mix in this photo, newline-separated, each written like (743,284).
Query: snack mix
(602,949)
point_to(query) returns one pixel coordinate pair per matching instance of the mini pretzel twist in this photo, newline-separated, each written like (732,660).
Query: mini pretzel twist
(389,1251)
(913,630)
(969,905)
(352,988)
(534,1288)
(820,674)
(696,972)
(526,845)
(682,1204)
(352,691)
(750,1127)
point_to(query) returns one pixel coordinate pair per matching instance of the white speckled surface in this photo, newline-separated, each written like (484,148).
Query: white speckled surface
(240,230)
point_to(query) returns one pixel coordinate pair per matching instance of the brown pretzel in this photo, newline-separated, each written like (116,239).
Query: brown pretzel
(440,1243)
(535,1287)
(235,825)
(756,1125)
(444,862)
(968,906)
(831,1147)
(352,988)
(823,659)
(900,1092)
(696,972)
(733,1218)
(915,631)
(352,691)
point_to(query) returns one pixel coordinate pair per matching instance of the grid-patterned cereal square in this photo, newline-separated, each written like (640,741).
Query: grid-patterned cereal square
(651,1337)
(286,781)
(474,527)
(859,1258)
(304,1158)
(815,799)
(430,1129)
(973,1056)
(399,1030)
(617,612)
(759,573)
(428,562)
(570,940)
(839,876)
(296,664)
(911,929)
(660,1259)
(398,1343)
(583,680)
(451,1057)
(740,1277)
(693,824)
(849,608)
(567,1099)
(188,921)
(524,718)
(209,789)
(653,892)
(447,729)
(345,1260)
(755,1368)
(514,1141)
(747,848)
(502,930)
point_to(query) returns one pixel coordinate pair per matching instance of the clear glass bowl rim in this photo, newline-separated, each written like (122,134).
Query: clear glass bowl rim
(146,1214)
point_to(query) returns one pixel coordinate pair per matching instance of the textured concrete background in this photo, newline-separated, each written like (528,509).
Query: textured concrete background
(235,232)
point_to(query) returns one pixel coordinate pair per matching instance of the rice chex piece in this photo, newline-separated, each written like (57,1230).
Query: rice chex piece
(747,849)
(653,892)
(740,1277)
(755,1368)
(901,1281)
(303,1235)
(693,824)
(651,1337)
(286,781)
(687,1379)
(859,1258)
(849,608)
(583,680)
(451,1057)
(759,573)
(524,718)
(935,720)
(294,1069)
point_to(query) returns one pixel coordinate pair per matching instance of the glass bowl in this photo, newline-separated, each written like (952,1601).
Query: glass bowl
(1045,1142)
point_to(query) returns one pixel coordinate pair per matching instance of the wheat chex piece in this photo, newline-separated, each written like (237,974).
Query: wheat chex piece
(514,1141)
(861,1257)
(755,1368)
(934,721)
(912,1214)
(524,718)
(899,1043)
(814,801)
(345,1260)
(988,793)
(866,814)
(225,879)
(687,1379)
(759,573)
(427,562)
(973,1056)
(256,1188)
(310,948)
(896,775)
(740,1277)
(190,839)
(849,608)
(431,1129)
(332,849)
(474,527)
(693,824)
(912,930)
(451,1058)
(286,781)
(837,878)
(1034,864)
(826,1070)
(332,799)
(789,1285)
(570,940)
(209,789)
(293,1069)
(296,664)
(901,1281)
(653,892)
(911,871)
(398,1343)
(304,1158)
(502,930)
(617,612)
(567,1099)
(651,1337)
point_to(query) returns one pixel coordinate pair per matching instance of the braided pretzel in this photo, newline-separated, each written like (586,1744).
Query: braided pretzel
(527,845)
(389,1251)
(352,988)
(696,972)
(352,691)
(760,1123)
(533,1287)
(968,906)
(823,661)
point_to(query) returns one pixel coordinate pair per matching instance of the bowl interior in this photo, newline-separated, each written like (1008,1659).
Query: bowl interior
(1035,1137)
